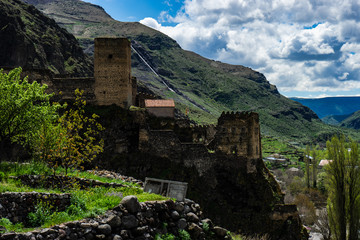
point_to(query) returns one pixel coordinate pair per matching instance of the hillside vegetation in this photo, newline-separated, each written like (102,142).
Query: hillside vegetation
(31,40)
(353,121)
(201,87)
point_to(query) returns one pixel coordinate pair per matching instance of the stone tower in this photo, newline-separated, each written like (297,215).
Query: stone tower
(239,134)
(112,72)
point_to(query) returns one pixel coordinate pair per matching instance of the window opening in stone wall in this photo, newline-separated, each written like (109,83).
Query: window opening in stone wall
(110,56)
(242,130)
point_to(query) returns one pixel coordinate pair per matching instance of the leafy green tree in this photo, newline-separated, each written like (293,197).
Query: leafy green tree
(307,166)
(344,188)
(24,108)
(314,161)
(353,187)
(76,138)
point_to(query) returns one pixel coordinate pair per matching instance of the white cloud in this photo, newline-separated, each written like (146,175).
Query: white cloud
(307,45)
(150,22)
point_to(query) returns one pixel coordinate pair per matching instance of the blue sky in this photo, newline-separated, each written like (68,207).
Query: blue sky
(136,10)
(307,48)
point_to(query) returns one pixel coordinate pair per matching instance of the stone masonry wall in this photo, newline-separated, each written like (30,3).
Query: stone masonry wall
(64,88)
(112,72)
(17,206)
(239,134)
(133,220)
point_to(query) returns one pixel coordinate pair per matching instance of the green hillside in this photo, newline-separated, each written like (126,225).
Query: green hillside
(31,40)
(335,119)
(201,87)
(353,121)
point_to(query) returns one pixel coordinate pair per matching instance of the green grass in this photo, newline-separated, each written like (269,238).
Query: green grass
(272,145)
(84,203)
(40,168)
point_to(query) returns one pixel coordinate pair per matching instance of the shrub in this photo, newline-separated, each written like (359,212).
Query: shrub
(167,236)
(41,215)
(297,186)
(2,176)
(205,227)
(306,209)
(9,226)
(184,235)
(57,218)
(321,180)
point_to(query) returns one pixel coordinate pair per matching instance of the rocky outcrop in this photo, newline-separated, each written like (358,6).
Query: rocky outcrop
(31,40)
(133,220)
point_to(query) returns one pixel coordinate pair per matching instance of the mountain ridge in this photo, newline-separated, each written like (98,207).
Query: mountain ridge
(331,105)
(214,86)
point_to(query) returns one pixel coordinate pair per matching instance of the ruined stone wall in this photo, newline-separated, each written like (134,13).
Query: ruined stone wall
(17,206)
(133,90)
(239,134)
(236,191)
(163,143)
(112,72)
(140,99)
(38,75)
(195,134)
(64,88)
(133,220)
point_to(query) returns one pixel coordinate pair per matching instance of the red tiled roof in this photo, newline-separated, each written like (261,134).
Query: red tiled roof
(159,103)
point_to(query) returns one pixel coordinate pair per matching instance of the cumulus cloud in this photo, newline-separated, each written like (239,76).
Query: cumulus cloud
(308,45)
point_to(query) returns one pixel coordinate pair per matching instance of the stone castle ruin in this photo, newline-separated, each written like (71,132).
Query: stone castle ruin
(222,164)
(237,133)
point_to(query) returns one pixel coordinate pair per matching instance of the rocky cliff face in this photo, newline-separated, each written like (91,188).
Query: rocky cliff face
(31,40)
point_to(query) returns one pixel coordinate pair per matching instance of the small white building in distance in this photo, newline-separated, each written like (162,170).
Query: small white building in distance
(324,162)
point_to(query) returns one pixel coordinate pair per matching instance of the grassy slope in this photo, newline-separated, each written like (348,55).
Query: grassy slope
(353,121)
(210,85)
(84,203)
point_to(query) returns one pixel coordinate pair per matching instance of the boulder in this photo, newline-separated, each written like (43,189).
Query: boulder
(131,203)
